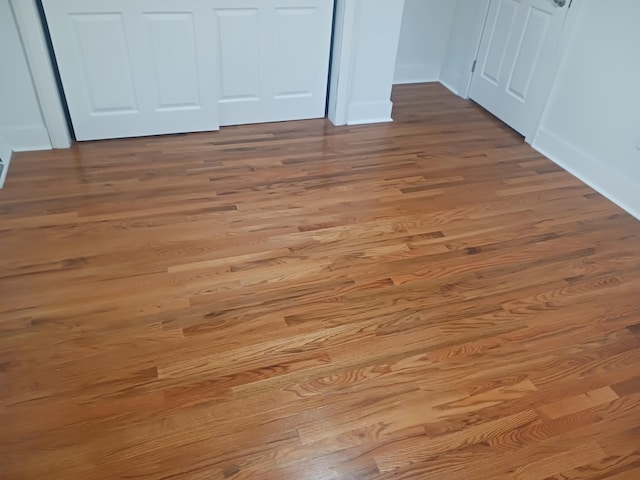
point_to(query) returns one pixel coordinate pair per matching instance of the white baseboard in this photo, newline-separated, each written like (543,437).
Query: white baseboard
(21,139)
(5,158)
(5,169)
(451,88)
(27,138)
(370,121)
(369,112)
(5,148)
(619,189)
(454,82)
(416,73)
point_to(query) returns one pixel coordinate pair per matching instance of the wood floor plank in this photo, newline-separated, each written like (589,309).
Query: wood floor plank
(424,299)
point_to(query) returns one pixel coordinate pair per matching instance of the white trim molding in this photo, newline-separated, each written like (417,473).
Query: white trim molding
(361,113)
(477,38)
(365,45)
(449,87)
(5,158)
(416,73)
(27,138)
(470,17)
(342,61)
(616,187)
(41,66)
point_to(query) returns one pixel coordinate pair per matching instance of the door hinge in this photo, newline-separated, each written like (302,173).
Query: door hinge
(473,67)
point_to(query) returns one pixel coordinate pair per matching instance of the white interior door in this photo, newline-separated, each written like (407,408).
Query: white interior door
(273,58)
(146,67)
(514,58)
(134,68)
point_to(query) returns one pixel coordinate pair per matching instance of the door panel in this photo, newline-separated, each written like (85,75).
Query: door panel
(301,52)
(106,74)
(513,62)
(528,53)
(238,48)
(295,66)
(171,44)
(499,40)
(239,45)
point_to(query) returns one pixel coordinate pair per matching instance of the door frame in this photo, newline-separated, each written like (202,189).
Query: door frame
(561,48)
(343,39)
(36,48)
(476,39)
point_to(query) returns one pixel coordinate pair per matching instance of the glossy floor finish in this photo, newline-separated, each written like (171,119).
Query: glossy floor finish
(428,299)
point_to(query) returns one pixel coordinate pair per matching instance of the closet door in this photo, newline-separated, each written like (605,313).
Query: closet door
(273,58)
(135,67)
(146,67)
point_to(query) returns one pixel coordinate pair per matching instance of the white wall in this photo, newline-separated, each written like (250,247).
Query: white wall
(21,123)
(591,125)
(424,36)
(464,37)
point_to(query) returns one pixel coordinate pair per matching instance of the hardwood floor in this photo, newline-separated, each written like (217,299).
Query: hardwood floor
(428,299)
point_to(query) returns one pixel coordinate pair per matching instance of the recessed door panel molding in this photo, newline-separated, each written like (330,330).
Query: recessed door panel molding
(106,72)
(514,58)
(499,34)
(529,49)
(171,40)
(238,38)
(295,38)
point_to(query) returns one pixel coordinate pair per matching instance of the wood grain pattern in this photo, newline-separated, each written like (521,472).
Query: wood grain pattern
(428,299)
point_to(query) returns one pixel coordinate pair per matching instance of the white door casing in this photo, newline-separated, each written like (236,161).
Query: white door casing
(147,67)
(40,62)
(514,62)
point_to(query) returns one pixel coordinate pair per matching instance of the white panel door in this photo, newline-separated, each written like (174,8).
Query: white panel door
(134,67)
(273,58)
(514,59)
